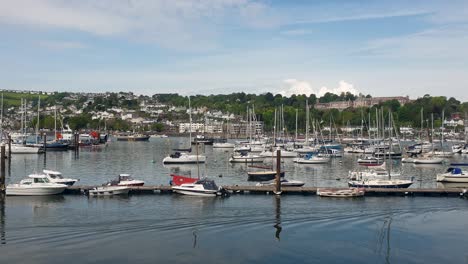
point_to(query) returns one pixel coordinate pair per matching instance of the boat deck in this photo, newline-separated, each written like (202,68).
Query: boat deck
(238,189)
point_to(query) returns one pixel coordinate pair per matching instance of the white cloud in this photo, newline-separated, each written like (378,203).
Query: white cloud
(166,22)
(62,45)
(294,86)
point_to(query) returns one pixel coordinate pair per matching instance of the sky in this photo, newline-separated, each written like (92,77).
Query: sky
(382,48)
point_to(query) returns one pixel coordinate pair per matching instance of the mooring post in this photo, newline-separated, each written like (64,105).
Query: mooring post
(278,172)
(45,141)
(75,140)
(9,146)
(2,168)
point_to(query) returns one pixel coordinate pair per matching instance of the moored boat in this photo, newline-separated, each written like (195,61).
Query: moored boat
(266,175)
(132,137)
(380,183)
(125,180)
(109,190)
(56,177)
(284,183)
(35,184)
(341,193)
(202,187)
(184,158)
(453,174)
(312,159)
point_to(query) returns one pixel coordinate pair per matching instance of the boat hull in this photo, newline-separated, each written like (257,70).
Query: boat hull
(263,176)
(129,138)
(33,191)
(452,178)
(108,191)
(363,184)
(340,193)
(195,193)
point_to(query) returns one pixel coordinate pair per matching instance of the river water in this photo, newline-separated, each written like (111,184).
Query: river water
(238,229)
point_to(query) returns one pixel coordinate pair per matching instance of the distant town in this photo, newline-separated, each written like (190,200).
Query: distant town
(221,114)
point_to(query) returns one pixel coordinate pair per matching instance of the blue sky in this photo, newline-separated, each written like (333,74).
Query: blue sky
(383,48)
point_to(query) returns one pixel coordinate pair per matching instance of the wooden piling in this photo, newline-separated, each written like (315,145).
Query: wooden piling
(9,146)
(278,172)
(45,142)
(2,168)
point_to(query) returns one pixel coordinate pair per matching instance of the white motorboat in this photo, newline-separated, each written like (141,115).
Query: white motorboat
(245,157)
(184,158)
(109,190)
(312,159)
(442,154)
(35,184)
(223,145)
(341,193)
(306,149)
(370,161)
(428,160)
(202,187)
(126,180)
(284,183)
(284,154)
(453,174)
(56,177)
(22,149)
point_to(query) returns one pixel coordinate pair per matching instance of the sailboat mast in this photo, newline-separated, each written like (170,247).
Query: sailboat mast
(38,118)
(55,122)
(296,126)
(190,122)
(1,116)
(274,129)
(307,123)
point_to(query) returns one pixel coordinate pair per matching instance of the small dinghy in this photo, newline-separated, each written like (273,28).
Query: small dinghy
(341,193)
(109,190)
(284,183)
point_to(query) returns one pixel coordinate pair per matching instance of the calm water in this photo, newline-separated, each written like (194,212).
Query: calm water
(239,229)
(144,161)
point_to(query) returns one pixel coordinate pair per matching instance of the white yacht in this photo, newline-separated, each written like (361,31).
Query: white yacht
(35,184)
(284,153)
(56,177)
(312,159)
(22,149)
(245,157)
(223,145)
(453,174)
(202,187)
(126,180)
(184,158)
(109,190)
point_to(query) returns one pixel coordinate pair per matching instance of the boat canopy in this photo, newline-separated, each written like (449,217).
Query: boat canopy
(207,184)
(455,170)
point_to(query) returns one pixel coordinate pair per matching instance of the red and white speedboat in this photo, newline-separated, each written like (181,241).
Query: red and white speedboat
(126,180)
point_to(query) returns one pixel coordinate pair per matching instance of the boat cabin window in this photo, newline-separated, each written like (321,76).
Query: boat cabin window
(41,180)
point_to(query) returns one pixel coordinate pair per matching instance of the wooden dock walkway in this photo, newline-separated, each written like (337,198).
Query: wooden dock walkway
(238,189)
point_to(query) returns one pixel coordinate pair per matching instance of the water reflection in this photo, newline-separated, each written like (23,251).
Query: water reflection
(2,219)
(277,225)
(384,238)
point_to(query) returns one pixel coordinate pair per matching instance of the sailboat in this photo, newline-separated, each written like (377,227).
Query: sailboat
(20,146)
(429,158)
(182,157)
(371,179)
